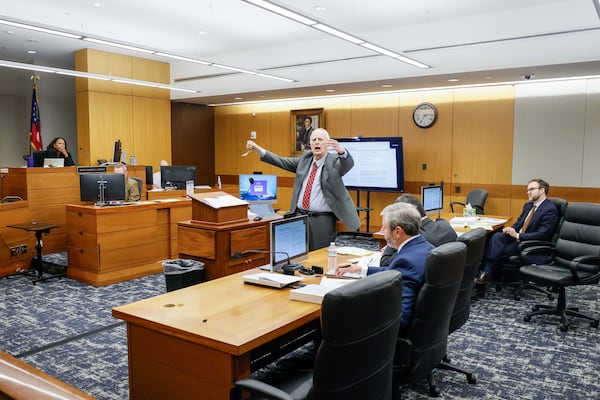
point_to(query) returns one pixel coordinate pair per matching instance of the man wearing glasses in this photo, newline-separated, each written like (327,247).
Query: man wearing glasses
(537,222)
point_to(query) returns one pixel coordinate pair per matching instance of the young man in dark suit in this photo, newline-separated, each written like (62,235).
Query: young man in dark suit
(400,224)
(537,222)
(319,191)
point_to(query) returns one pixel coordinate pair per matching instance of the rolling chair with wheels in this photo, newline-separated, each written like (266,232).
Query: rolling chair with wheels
(476,198)
(475,242)
(354,359)
(507,272)
(422,343)
(574,261)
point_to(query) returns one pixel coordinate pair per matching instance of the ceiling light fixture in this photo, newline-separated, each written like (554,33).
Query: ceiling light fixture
(39,29)
(115,44)
(282,11)
(139,49)
(88,75)
(333,31)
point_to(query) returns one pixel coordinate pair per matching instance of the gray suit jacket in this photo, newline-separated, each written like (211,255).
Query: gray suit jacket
(334,191)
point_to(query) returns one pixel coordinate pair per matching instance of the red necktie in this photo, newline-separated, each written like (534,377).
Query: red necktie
(309,184)
(528,220)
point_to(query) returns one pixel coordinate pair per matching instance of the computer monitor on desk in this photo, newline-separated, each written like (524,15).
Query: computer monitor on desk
(102,189)
(260,191)
(176,176)
(289,237)
(432,198)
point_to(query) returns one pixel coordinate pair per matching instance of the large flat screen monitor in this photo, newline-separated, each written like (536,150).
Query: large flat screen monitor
(289,235)
(258,188)
(432,198)
(378,163)
(90,186)
(176,176)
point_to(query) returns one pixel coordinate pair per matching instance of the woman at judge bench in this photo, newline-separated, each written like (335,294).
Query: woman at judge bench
(58,149)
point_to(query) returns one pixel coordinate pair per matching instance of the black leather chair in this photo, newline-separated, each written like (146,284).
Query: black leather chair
(476,198)
(506,273)
(574,261)
(359,324)
(422,344)
(475,242)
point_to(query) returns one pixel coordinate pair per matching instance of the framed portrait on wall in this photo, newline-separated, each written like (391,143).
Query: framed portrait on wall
(302,123)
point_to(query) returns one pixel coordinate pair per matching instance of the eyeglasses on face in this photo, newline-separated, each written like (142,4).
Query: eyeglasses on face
(532,189)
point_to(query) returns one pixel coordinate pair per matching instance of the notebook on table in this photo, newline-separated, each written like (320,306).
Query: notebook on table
(54,162)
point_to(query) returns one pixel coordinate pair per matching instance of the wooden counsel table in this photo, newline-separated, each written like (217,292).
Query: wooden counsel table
(113,244)
(195,342)
(459,229)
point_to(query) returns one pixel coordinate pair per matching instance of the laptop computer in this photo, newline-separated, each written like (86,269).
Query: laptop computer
(54,162)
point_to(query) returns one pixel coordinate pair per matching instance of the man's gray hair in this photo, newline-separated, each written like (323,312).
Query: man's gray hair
(404,215)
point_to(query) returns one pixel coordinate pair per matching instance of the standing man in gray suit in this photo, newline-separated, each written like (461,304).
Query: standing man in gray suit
(319,191)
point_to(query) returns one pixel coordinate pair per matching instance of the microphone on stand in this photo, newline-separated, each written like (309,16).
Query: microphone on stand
(288,266)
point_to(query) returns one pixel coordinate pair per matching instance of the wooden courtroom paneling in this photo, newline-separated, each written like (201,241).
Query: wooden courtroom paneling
(10,214)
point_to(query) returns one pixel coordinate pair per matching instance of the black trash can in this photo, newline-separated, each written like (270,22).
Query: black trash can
(181,273)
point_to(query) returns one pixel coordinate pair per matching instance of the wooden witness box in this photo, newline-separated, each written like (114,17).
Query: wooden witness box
(208,213)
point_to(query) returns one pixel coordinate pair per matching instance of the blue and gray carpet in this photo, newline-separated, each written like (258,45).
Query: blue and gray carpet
(65,328)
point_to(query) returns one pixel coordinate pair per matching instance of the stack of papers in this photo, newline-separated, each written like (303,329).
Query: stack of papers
(476,222)
(271,279)
(354,251)
(315,293)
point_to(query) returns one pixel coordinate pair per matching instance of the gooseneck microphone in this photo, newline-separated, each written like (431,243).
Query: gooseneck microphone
(286,266)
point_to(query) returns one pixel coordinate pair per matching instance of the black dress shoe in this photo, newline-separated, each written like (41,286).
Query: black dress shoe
(484,278)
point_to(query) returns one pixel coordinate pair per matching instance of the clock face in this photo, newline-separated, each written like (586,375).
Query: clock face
(425,115)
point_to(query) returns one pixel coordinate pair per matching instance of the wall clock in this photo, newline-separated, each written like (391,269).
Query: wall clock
(425,115)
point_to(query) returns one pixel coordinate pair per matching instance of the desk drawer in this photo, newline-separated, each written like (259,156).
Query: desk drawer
(255,238)
(197,242)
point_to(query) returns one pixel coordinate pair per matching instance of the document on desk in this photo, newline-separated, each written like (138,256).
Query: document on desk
(476,222)
(354,251)
(271,279)
(314,293)
(224,201)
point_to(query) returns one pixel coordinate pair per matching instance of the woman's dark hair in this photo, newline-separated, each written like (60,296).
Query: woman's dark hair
(51,145)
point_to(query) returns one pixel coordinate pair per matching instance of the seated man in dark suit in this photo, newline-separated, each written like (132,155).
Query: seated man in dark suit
(435,232)
(537,222)
(400,223)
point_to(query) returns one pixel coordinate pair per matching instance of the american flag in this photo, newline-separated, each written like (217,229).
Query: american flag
(35,135)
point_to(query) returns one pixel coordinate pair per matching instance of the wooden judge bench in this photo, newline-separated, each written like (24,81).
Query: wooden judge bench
(216,232)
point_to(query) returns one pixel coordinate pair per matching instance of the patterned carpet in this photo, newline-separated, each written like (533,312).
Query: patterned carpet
(66,329)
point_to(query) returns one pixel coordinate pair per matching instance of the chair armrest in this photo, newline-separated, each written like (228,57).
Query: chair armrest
(547,251)
(586,264)
(457,203)
(257,387)
(478,210)
(530,243)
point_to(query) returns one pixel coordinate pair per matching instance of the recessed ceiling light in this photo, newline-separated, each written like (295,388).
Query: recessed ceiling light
(98,4)
(238,98)
(9,32)
(452,80)
(201,33)
(31,52)
(386,85)
(330,90)
(320,8)
(487,77)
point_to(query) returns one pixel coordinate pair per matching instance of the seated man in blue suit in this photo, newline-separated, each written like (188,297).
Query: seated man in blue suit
(537,222)
(400,224)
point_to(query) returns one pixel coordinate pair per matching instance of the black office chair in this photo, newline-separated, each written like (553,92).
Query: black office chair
(476,198)
(506,273)
(574,261)
(422,344)
(475,242)
(139,182)
(354,359)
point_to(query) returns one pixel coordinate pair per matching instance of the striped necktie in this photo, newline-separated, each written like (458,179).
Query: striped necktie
(309,185)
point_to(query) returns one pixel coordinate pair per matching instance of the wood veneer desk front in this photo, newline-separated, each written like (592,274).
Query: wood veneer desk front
(113,244)
(195,342)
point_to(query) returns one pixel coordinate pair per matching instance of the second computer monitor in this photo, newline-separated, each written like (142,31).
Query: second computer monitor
(432,198)
(90,186)
(289,236)
(258,188)
(177,175)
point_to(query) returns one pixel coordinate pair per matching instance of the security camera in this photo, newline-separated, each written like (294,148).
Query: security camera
(528,77)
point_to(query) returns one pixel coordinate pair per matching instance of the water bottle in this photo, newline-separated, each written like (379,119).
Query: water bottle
(219,182)
(331,256)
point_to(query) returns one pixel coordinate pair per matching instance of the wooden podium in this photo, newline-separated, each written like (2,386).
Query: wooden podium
(218,208)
